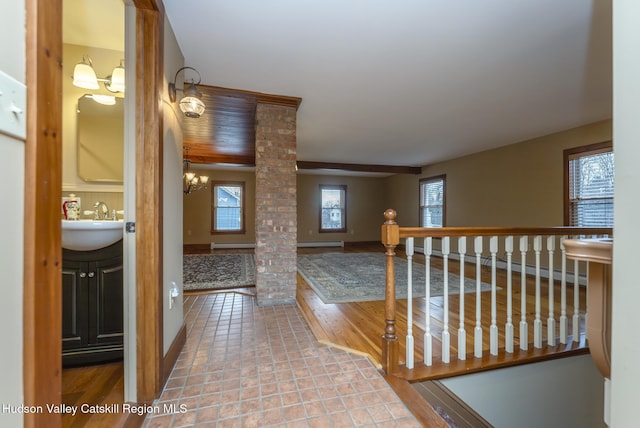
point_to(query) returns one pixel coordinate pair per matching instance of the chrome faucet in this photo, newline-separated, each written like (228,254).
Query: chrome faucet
(101,206)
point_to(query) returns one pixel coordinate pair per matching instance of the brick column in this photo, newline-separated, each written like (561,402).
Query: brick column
(276,213)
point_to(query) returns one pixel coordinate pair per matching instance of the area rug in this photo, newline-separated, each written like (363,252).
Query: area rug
(357,277)
(218,271)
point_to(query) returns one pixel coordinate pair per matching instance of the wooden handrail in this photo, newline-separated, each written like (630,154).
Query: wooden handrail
(437,232)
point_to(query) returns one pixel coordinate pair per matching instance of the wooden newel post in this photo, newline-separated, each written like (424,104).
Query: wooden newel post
(390,239)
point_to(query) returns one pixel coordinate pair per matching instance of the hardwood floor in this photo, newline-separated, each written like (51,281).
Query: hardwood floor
(359,326)
(97,388)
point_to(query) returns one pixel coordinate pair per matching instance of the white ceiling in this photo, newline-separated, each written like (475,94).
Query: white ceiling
(408,82)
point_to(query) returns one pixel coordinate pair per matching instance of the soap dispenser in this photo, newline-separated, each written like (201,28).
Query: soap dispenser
(71,207)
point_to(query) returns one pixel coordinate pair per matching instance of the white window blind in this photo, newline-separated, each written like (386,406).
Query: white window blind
(432,202)
(591,179)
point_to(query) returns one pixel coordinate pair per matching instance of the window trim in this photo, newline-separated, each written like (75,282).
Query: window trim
(222,183)
(343,188)
(426,180)
(570,154)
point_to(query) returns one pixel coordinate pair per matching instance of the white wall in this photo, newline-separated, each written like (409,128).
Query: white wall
(567,392)
(172,189)
(625,370)
(129,200)
(12,62)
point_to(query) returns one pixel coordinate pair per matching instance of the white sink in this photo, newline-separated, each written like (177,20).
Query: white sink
(87,235)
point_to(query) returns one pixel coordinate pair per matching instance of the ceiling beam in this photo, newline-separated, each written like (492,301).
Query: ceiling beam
(214,158)
(255,97)
(393,169)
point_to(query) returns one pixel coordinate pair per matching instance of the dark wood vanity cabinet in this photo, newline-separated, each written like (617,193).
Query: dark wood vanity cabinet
(92,305)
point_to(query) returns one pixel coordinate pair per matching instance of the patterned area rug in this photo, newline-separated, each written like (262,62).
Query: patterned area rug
(218,271)
(357,277)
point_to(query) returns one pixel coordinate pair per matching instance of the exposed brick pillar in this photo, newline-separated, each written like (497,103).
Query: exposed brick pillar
(276,213)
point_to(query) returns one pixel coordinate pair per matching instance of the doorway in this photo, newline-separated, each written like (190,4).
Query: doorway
(42,254)
(93,144)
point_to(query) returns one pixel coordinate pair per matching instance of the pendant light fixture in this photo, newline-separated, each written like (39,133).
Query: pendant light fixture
(191,181)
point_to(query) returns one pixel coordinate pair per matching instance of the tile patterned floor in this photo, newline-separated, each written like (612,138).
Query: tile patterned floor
(250,366)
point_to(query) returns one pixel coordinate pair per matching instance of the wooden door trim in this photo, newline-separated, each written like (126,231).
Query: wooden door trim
(42,285)
(149,199)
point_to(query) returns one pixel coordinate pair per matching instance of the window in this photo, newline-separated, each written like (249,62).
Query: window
(432,202)
(333,208)
(589,177)
(227,207)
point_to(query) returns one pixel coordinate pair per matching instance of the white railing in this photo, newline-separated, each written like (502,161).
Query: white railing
(493,249)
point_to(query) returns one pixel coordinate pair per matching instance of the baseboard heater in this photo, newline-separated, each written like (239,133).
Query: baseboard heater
(231,245)
(321,244)
(221,245)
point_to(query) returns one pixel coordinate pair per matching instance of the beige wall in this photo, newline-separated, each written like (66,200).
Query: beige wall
(197,209)
(516,185)
(365,205)
(365,199)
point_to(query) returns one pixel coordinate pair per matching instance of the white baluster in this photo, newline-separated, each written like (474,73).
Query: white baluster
(428,339)
(462,333)
(576,302)
(537,323)
(551,321)
(446,338)
(524,325)
(564,321)
(508,328)
(477,331)
(493,330)
(586,297)
(409,342)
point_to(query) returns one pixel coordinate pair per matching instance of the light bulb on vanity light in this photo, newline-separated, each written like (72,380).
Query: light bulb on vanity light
(107,100)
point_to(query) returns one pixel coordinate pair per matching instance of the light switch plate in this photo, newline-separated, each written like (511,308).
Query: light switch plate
(13,107)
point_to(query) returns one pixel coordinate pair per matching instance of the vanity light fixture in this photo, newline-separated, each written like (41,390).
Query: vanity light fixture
(115,82)
(84,76)
(191,104)
(107,100)
(191,181)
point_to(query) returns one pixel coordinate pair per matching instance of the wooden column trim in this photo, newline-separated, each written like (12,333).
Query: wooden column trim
(149,201)
(42,307)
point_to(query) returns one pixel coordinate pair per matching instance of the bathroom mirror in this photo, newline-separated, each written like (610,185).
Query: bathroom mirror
(100,140)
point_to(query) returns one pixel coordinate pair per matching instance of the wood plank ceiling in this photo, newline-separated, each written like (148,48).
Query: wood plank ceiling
(225,133)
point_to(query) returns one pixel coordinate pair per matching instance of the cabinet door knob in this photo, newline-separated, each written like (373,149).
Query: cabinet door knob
(83,274)
(91,274)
